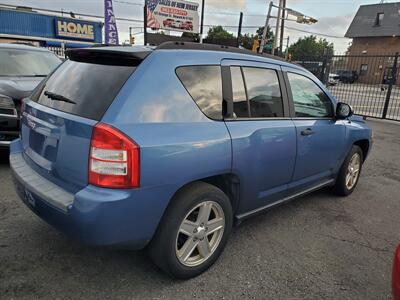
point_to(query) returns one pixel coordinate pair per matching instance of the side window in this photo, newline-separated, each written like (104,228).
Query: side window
(263,92)
(204,84)
(240,107)
(309,100)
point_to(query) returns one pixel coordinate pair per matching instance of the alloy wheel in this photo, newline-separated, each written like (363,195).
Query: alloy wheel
(200,233)
(353,171)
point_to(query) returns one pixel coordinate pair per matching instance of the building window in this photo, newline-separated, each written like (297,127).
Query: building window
(364,69)
(379,19)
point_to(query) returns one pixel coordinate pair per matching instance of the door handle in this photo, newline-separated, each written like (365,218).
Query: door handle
(307,131)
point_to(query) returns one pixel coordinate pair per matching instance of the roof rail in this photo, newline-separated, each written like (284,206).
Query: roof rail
(212,47)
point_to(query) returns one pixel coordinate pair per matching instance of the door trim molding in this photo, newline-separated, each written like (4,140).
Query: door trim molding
(286,199)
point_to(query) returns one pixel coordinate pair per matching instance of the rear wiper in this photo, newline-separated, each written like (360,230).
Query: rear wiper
(58,97)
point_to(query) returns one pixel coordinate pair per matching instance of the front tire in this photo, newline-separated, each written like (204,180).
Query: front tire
(349,173)
(193,231)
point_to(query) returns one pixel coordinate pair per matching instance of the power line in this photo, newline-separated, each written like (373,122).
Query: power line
(316,33)
(129,3)
(206,25)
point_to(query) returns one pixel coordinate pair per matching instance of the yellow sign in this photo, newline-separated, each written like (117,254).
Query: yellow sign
(256,44)
(72,29)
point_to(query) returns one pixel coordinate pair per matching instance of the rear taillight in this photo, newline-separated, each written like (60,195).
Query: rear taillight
(396,275)
(114,159)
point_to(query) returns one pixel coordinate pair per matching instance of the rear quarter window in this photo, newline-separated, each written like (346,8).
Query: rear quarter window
(92,87)
(204,84)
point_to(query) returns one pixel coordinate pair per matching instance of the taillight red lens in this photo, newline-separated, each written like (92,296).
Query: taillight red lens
(396,275)
(114,160)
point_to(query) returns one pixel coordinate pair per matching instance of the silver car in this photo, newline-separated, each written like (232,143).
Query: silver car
(22,67)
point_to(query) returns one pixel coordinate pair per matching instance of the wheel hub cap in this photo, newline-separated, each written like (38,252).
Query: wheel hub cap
(200,233)
(353,171)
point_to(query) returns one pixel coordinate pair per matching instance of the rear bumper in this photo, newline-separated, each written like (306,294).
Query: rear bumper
(9,129)
(94,216)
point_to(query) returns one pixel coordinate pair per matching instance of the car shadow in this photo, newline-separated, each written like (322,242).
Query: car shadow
(135,268)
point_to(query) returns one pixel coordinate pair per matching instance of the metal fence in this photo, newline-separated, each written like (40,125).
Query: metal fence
(370,83)
(59,51)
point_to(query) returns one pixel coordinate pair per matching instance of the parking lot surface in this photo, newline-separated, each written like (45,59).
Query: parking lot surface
(318,246)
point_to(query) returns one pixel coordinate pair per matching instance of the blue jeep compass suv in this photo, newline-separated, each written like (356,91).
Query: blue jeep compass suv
(166,147)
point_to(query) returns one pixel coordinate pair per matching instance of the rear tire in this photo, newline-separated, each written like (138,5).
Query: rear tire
(349,173)
(193,231)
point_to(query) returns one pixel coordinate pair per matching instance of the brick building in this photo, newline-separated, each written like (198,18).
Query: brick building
(375,31)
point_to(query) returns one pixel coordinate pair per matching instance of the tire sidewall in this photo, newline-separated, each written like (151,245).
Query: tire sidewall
(341,187)
(182,204)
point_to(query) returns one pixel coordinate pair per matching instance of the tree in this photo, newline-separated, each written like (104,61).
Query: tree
(246,40)
(309,46)
(194,36)
(218,32)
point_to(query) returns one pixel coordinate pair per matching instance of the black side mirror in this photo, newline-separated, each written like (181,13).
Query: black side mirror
(343,111)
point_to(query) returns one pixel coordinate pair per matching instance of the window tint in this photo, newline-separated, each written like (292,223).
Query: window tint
(263,92)
(92,87)
(240,107)
(204,84)
(309,100)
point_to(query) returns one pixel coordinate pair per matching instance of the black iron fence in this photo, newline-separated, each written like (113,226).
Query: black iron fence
(370,83)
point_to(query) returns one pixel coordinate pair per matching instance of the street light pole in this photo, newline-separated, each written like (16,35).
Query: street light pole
(282,25)
(202,21)
(278,19)
(240,29)
(145,24)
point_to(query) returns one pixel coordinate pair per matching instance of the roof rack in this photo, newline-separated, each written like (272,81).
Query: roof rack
(212,47)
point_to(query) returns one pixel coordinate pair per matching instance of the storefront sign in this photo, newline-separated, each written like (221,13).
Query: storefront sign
(67,28)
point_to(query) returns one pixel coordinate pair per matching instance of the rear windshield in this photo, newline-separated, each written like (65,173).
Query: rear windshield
(14,62)
(83,89)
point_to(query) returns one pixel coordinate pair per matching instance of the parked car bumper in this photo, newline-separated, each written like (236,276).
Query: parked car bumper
(94,216)
(9,129)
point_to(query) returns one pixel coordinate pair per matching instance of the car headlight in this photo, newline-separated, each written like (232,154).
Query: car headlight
(6,102)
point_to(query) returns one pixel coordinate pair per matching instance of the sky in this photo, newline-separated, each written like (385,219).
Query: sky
(334,16)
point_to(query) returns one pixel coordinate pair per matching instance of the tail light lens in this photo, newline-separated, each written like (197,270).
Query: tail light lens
(114,159)
(396,275)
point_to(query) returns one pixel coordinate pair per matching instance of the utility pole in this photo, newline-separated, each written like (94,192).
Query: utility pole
(202,21)
(145,23)
(240,29)
(278,23)
(282,25)
(265,32)
(287,48)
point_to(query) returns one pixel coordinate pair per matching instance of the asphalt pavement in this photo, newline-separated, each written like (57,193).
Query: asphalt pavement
(319,246)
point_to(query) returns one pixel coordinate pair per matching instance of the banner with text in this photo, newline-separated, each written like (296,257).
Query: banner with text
(110,24)
(173,15)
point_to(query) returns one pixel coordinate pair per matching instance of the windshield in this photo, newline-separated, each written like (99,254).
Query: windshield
(14,62)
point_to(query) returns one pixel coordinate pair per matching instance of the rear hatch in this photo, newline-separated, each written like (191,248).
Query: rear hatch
(58,118)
